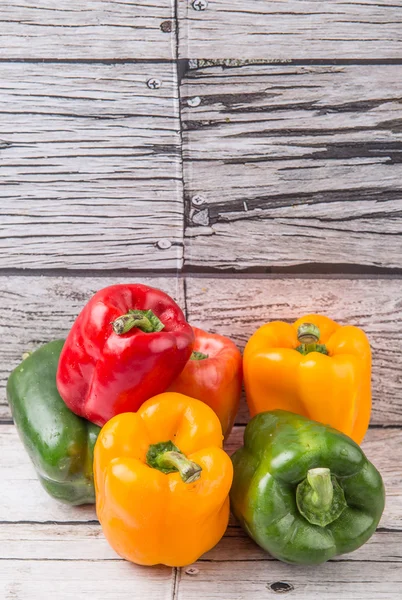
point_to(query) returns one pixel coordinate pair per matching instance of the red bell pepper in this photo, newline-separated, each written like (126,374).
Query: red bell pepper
(128,344)
(214,375)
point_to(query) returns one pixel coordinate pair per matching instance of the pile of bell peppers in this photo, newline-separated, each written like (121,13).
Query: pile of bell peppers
(131,411)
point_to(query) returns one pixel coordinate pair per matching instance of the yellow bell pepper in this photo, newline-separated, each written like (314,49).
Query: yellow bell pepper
(162,481)
(313,367)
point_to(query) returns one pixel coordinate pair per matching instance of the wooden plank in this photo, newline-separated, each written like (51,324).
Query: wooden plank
(61,541)
(218,305)
(35,310)
(291,30)
(237,307)
(252,580)
(86,544)
(87,29)
(91,162)
(84,541)
(290,166)
(80,580)
(23,498)
(384,546)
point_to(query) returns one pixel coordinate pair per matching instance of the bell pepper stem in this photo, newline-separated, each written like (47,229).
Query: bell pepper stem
(145,320)
(198,355)
(320,498)
(322,488)
(167,458)
(189,470)
(308,335)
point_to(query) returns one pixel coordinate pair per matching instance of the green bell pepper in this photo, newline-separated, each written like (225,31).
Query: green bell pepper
(59,443)
(303,491)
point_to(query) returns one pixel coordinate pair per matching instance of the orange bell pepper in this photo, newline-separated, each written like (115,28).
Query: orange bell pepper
(162,481)
(314,367)
(214,375)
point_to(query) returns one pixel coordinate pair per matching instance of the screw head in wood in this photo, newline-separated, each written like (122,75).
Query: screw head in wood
(197,200)
(192,571)
(199,4)
(154,84)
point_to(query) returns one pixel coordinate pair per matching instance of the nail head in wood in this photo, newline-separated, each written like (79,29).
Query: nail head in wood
(194,102)
(154,84)
(164,244)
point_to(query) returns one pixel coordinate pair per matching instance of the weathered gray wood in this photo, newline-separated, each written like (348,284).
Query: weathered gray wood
(85,541)
(237,307)
(86,29)
(64,541)
(76,544)
(384,546)
(23,498)
(91,167)
(252,580)
(291,30)
(292,166)
(35,310)
(83,579)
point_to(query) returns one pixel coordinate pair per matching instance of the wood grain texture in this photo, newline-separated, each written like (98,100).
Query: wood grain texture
(291,30)
(237,307)
(81,580)
(87,29)
(219,305)
(91,167)
(252,580)
(23,498)
(290,167)
(384,546)
(64,541)
(85,541)
(35,310)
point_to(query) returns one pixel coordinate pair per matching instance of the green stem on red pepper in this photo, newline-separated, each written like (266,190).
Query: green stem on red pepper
(198,355)
(145,320)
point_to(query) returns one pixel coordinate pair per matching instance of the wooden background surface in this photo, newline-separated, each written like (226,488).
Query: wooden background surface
(247,159)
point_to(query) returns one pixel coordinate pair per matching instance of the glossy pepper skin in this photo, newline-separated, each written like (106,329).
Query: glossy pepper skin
(113,359)
(59,443)
(333,388)
(150,516)
(295,520)
(214,375)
